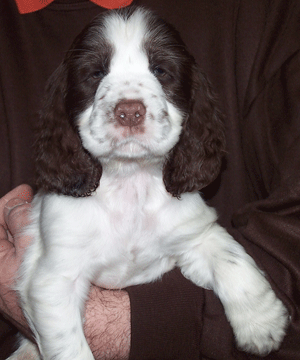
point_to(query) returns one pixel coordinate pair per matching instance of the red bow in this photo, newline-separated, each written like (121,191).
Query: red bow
(28,6)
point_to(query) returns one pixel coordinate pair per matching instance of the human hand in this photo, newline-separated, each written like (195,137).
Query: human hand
(14,208)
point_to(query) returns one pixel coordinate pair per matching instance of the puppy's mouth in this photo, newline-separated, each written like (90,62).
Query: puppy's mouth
(130,148)
(128,132)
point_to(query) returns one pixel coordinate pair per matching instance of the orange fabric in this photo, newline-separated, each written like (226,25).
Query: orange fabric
(28,6)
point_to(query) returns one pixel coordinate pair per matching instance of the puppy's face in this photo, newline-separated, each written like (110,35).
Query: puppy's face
(128,90)
(129,86)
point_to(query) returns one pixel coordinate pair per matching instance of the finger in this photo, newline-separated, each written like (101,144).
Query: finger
(16,216)
(22,192)
(16,213)
(5,245)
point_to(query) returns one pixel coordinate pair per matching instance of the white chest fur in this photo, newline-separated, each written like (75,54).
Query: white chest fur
(124,234)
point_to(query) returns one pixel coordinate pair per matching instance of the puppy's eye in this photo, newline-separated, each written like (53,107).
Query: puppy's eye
(159,72)
(99,74)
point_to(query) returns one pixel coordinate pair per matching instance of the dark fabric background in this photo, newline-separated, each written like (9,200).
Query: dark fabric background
(250,51)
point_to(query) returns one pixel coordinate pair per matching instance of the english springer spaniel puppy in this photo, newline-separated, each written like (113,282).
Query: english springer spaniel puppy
(130,133)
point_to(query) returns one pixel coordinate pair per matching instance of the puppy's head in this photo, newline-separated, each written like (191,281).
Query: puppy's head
(128,90)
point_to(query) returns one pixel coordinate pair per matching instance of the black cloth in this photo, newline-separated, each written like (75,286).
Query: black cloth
(250,51)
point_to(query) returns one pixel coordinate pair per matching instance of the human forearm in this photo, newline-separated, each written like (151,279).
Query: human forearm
(107,324)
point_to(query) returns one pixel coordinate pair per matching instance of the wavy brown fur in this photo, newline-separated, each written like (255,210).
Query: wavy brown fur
(63,165)
(196,159)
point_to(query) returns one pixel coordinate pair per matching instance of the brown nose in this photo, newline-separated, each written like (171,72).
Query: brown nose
(130,112)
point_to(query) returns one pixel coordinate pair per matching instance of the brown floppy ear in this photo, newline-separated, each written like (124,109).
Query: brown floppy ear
(196,159)
(63,165)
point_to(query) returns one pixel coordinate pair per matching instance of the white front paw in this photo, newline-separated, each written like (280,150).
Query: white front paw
(259,327)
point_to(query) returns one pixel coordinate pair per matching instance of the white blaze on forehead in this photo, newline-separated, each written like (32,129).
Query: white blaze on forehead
(129,77)
(127,37)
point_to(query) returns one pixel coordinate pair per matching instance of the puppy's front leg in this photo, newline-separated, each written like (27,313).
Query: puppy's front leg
(54,307)
(216,261)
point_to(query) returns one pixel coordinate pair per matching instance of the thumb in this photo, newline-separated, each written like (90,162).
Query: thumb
(16,216)
(23,193)
(18,196)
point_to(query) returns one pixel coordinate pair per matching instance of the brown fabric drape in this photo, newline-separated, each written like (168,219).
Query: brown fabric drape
(250,51)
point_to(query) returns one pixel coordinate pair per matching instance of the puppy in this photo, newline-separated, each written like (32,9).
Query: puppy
(130,133)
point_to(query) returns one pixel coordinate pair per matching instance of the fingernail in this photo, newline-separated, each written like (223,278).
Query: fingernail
(11,204)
